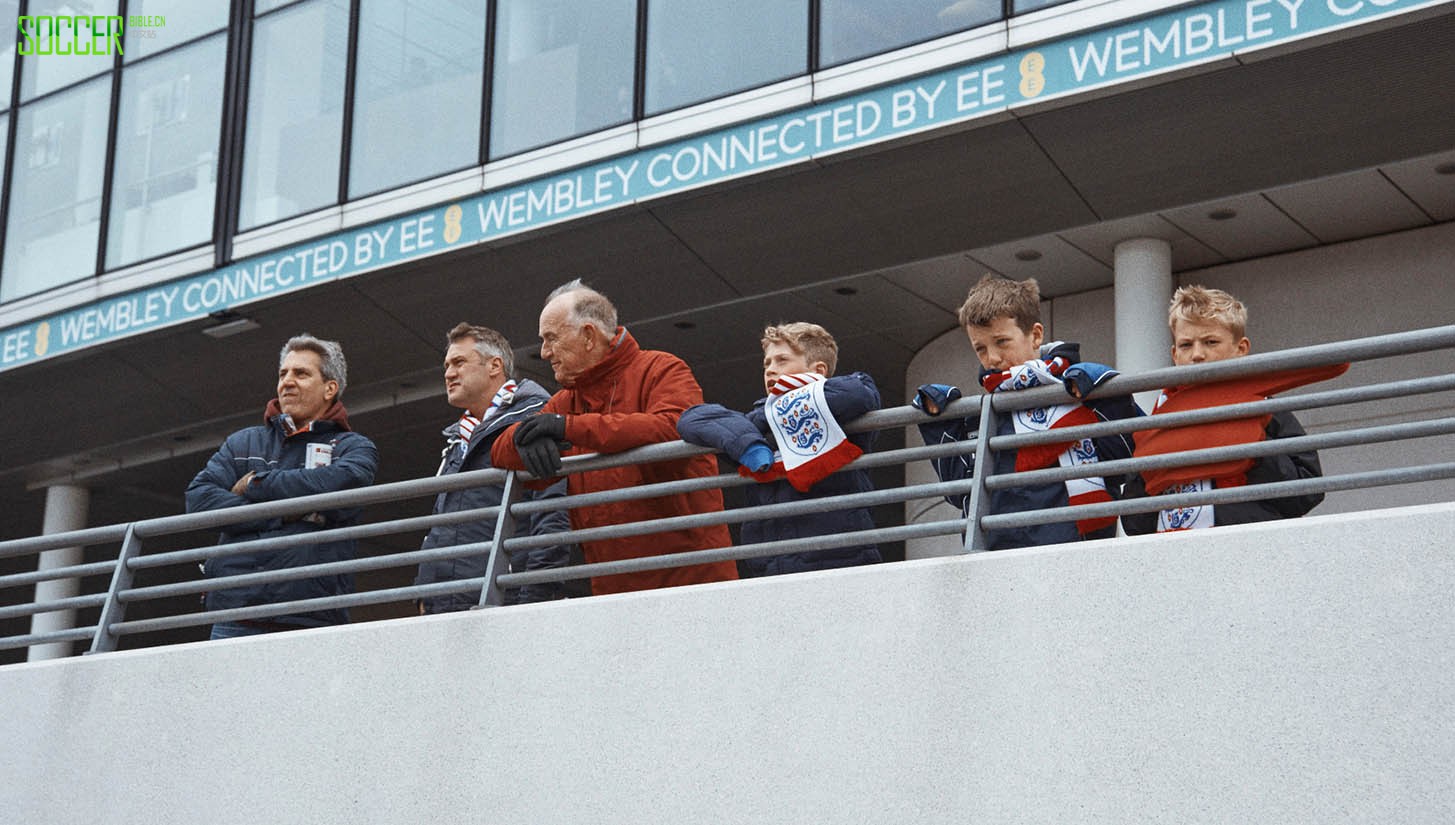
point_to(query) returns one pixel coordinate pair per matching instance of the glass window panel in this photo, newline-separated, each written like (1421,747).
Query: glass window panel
(295,112)
(260,6)
(701,49)
(4,137)
(165,176)
(417,91)
(180,21)
(562,69)
(858,28)
(1024,6)
(45,71)
(55,195)
(7,50)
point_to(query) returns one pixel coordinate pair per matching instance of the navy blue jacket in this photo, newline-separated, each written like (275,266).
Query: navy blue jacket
(277,463)
(529,398)
(1038,496)
(848,397)
(1265,470)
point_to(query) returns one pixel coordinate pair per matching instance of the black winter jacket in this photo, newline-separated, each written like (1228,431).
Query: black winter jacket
(1038,496)
(277,463)
(529,398)
(848,397)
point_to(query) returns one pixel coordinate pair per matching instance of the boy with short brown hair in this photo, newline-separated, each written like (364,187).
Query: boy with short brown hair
(1002,319)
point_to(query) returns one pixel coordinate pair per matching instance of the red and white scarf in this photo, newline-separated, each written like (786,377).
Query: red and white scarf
(1047,372)
(811,444)
(1219,475)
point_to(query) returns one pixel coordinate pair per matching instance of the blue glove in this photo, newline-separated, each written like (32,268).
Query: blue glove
(932,398)
(1080,379)
(757,458)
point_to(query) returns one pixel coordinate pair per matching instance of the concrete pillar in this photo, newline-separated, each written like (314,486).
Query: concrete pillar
(1142,288)
(65,509)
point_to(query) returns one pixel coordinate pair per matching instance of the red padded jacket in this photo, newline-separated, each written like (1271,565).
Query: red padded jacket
(633,398)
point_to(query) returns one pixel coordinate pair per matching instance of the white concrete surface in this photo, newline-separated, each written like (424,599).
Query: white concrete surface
(1293,672)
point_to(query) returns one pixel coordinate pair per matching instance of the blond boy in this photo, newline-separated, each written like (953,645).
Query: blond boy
(1210,325)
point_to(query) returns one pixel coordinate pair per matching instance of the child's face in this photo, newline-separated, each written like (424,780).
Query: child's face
(780,359)
(1197,342)
(1003,345)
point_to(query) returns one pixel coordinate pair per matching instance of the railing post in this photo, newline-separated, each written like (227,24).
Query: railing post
(979,504)
(491,595)
(112,610)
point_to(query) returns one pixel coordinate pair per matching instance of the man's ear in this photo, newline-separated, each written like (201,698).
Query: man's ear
(1037,333)
(330,391)
(1244,346)
(819,367)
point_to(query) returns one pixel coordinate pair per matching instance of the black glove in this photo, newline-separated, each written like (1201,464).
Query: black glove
(542,457)
(539,441)
(545,425)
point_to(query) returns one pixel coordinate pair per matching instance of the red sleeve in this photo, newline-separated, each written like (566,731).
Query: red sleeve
(668,388)
(503,453)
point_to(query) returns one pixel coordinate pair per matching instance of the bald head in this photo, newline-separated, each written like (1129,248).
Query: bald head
(576,328)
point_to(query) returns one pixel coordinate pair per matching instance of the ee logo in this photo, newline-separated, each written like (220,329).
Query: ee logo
(1033,82)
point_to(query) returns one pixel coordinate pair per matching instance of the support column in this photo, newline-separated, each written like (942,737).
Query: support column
(65,509)
(1142,289)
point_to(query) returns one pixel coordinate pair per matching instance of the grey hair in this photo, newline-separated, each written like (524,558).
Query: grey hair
(590,306)
(488,342)
(332,365)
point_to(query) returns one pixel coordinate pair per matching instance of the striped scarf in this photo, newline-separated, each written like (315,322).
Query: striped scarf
(1039,372)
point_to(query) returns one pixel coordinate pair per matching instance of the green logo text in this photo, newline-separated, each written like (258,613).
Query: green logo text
(64,34)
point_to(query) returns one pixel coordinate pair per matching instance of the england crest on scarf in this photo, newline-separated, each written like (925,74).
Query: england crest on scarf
(811,445)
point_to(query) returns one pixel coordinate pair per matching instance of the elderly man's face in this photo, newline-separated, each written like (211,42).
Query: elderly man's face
(569,348)
(303,392)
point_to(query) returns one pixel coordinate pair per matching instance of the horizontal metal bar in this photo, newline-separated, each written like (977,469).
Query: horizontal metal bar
(159,591)
(266,611)
(1359,349)
(741,551)
(1247,409)
(1249,492)
(740,514)
(53,573)
(868,461)
(358,531)
(1257,449)
(68,603)
(54,541)
(70,634)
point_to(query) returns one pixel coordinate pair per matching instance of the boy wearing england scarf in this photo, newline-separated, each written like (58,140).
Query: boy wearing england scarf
(1002,320)
(793,443)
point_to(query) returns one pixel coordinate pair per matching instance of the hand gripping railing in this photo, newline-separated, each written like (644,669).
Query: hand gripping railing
(112,623)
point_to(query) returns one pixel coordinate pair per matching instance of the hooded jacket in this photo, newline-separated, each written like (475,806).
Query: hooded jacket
(634,397)
(530,397)
(276,460)
(731,432)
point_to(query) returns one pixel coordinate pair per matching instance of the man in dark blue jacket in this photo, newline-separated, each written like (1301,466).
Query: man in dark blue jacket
(304,447)
(478,368)
(801,351)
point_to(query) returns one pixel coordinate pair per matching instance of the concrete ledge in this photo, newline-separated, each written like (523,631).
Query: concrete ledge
(1294,672)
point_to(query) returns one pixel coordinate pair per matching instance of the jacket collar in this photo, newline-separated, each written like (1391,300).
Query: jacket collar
(623,349)
(336,415)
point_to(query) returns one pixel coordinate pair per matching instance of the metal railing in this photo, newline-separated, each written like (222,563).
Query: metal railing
(131,538)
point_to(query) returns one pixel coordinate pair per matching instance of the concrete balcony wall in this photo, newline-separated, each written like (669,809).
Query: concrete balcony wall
(1293,672)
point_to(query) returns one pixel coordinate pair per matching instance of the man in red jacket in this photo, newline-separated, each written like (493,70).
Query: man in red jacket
(616,396)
